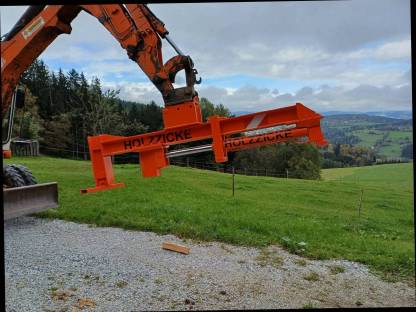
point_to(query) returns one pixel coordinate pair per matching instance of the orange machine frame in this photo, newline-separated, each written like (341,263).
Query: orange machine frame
(152,147)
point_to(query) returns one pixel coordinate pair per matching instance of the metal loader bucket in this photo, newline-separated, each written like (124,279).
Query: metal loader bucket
(24,200)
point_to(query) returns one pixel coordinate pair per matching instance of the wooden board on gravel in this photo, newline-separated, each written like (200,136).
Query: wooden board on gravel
(175,247)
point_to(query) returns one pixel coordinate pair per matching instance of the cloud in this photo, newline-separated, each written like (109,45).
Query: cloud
(143,92)
(249,98)
(305,91)
(322,99)
(60,50)
(102,68)
(332,25)
(399,49)
(395,49)
(264,39)
(361,48)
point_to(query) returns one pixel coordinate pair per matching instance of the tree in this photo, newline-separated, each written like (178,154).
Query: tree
(209,109)
(37,79)
(129,122)
(101,114)
(407,151)
(337,149)
(129,129)
(303,161)
(221,110)
(56,137)
(150,115)
(27,122)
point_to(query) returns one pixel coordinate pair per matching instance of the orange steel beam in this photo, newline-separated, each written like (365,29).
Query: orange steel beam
(247,142)
(152,147)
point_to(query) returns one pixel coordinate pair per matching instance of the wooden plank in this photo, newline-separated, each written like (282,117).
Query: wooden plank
(176,247)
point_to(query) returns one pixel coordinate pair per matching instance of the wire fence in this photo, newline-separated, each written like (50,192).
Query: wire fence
(223,168)
(227,168)
(66,153)
(133,158)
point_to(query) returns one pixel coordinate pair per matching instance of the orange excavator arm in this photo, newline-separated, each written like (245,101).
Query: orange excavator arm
(139,32)
(134,26)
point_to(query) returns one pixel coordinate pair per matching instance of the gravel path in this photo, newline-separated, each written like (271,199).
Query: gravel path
(52,265)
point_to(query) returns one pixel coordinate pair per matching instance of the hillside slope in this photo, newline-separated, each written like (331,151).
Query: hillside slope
(316,218)
(386,136)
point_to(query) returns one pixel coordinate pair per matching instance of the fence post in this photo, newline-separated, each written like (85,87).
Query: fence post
(287,174)
(361,202)
(233,181)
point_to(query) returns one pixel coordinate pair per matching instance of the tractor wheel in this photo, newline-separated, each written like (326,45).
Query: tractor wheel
(26,174)
(12,177)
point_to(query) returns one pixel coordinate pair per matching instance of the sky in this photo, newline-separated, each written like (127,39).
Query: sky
(329,55)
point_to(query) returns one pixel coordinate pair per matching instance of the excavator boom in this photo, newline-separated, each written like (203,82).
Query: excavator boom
(134,26)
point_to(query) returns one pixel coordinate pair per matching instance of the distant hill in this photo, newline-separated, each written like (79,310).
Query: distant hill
(390,114)
(386,136)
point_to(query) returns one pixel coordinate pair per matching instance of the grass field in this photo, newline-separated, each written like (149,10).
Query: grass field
(392,145)
(368,137)
(318,219)
(388,136)
(396,140)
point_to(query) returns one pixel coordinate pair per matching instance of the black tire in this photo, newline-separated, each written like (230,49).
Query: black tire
(12,177)
(26,174)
